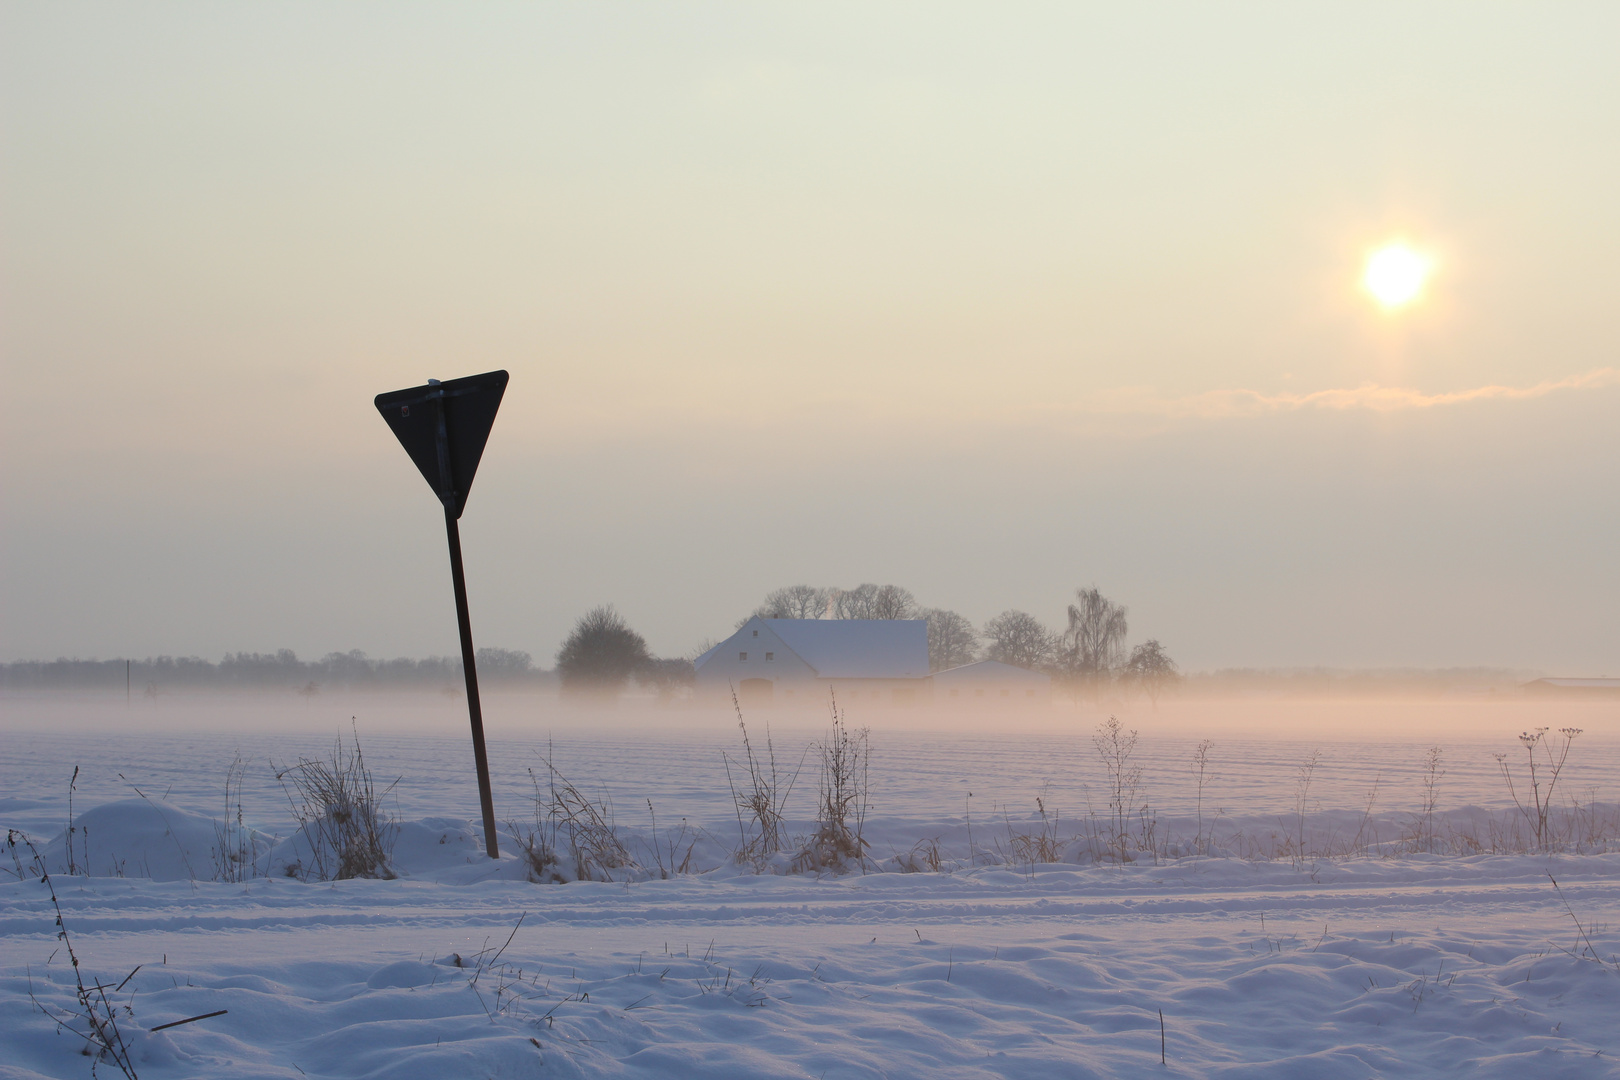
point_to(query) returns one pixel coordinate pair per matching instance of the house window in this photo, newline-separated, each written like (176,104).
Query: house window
(742,656)
(770,656)
(756,633)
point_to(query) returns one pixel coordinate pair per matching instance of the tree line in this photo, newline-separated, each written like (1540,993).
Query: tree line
(280,669)
(1086,655)
(603,654)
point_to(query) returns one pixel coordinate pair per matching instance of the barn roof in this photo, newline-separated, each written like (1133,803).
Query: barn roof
(850,648)
(991,671)
(858,648)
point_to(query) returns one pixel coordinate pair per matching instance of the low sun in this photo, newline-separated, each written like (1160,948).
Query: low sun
(1395,274)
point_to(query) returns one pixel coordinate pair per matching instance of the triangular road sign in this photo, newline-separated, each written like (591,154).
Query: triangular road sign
(444,426)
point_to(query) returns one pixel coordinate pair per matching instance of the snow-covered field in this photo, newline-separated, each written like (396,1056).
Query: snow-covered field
(1324,944)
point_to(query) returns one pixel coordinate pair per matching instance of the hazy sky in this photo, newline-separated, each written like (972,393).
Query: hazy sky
(989,301)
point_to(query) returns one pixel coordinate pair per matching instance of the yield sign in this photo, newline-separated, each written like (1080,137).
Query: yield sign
(444,426)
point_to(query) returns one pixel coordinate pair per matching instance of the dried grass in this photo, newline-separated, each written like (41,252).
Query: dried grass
(570,824)
(838,843)
(759,802)
(339,811)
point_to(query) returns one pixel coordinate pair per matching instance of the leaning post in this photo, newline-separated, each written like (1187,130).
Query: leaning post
(445,437)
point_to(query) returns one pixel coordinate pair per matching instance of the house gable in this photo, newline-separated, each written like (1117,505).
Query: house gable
(755,651)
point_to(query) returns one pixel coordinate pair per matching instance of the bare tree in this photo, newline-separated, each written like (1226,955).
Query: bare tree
(869,601)
(800,602)
(601,653)
(951,639)
(1094,644)
(793,602)
(854,603)
(668,676)
(1151,668)
(893,602)
(497,664)
(1018,638)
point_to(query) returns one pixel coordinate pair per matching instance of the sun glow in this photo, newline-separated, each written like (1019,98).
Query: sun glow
(1395,275)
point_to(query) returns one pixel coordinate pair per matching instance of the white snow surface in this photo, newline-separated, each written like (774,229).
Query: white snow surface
(1350,965)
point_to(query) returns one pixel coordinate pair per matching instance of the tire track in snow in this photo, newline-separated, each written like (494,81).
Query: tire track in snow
(460,906)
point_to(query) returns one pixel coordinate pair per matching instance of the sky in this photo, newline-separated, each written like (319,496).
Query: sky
(989,301)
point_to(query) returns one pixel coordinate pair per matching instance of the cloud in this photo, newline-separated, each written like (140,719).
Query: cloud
(1370,396)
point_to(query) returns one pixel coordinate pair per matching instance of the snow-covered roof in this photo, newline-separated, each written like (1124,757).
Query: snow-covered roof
(857,648)
(991,671)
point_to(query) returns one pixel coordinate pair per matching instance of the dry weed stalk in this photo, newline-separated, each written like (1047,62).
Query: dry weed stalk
(838,842)
(1582,938)
(339,811)
(1115,745)
(1420,835)
(924,856)
(1366,836)
(759,805)
(581,824)
(96,1018)
(539,843)
(1200,772)
(236,847)
(668,856)
(1544,770)
(73,868)
(1304,773)
(1041,846)
(16,840)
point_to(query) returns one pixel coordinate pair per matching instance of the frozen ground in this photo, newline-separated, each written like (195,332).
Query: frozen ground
(1306,965)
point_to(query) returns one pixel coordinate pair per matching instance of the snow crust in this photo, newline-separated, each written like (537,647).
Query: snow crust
(1421,965)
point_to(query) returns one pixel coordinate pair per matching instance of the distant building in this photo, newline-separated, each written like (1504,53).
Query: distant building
(867,661)
(802,660)
(990,682)
(1574,687)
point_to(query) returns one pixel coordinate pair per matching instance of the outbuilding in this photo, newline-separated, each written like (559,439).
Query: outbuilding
(991,682)
(786,661)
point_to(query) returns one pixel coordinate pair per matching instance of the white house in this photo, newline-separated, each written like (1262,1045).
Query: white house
(990,682)
(801,660)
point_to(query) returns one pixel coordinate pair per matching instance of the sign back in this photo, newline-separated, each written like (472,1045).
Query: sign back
(444,426)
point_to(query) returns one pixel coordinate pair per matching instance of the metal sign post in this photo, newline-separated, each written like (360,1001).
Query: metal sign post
(444,426)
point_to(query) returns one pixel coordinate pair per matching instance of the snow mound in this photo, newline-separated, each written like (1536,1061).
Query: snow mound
(138,838)
(403,975)
(434,845)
